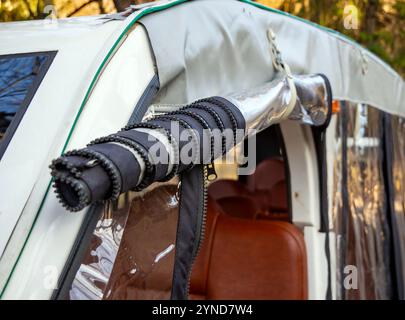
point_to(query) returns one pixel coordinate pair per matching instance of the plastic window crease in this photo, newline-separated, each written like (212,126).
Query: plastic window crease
(131,254)
(362,244)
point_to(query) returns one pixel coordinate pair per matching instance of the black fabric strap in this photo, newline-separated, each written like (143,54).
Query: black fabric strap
(147,143)
(320,145)
(166,121)
(319,134)
(214,119)
(191,209)
(124,160)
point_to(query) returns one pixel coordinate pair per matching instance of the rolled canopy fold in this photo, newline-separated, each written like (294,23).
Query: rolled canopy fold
(170,143)
(309,102)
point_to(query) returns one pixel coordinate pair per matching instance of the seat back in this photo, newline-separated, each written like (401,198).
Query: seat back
(268,173)
(278,195)
(249,259)
(227,188)
(239,207)
(264,197)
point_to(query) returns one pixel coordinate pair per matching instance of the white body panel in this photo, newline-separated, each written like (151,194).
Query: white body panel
(107,110)
(305,209)
(51,112)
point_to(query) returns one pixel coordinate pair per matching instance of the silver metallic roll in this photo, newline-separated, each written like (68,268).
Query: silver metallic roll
(306,99)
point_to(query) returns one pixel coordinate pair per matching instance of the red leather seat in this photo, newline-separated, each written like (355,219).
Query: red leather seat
(268,173)
(227,188)
(249,259)
(278,195)
(239,207)
(271,204)
(264,198)
(268,187)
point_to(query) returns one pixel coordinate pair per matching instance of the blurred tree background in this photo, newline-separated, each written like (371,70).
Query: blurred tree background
(377,24)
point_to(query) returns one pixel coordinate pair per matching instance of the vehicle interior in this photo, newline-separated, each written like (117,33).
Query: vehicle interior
(251,249)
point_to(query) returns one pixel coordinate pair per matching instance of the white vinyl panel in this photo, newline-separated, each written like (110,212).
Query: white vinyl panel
(111,103)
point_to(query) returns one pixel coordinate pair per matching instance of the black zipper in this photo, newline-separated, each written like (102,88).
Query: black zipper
(209,174)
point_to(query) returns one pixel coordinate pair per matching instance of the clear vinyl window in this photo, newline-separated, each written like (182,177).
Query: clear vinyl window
(132,249)
(359,204)
(20,77)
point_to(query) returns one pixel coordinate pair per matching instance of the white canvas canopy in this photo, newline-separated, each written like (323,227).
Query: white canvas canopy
(210,47)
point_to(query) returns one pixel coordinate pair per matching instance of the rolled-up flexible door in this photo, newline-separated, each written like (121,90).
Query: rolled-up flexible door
(168,144)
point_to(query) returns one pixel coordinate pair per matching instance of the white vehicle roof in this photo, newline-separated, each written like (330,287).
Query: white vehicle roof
(62,34)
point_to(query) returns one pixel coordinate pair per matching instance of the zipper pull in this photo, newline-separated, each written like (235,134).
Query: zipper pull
(211,173)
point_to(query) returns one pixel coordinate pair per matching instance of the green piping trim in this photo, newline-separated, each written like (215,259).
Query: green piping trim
(89,90)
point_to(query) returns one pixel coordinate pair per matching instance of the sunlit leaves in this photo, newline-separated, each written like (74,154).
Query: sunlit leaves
(14,10)
(377,24)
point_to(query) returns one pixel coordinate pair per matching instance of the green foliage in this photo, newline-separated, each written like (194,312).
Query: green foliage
(381,23)
(400,8)
(15,10)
